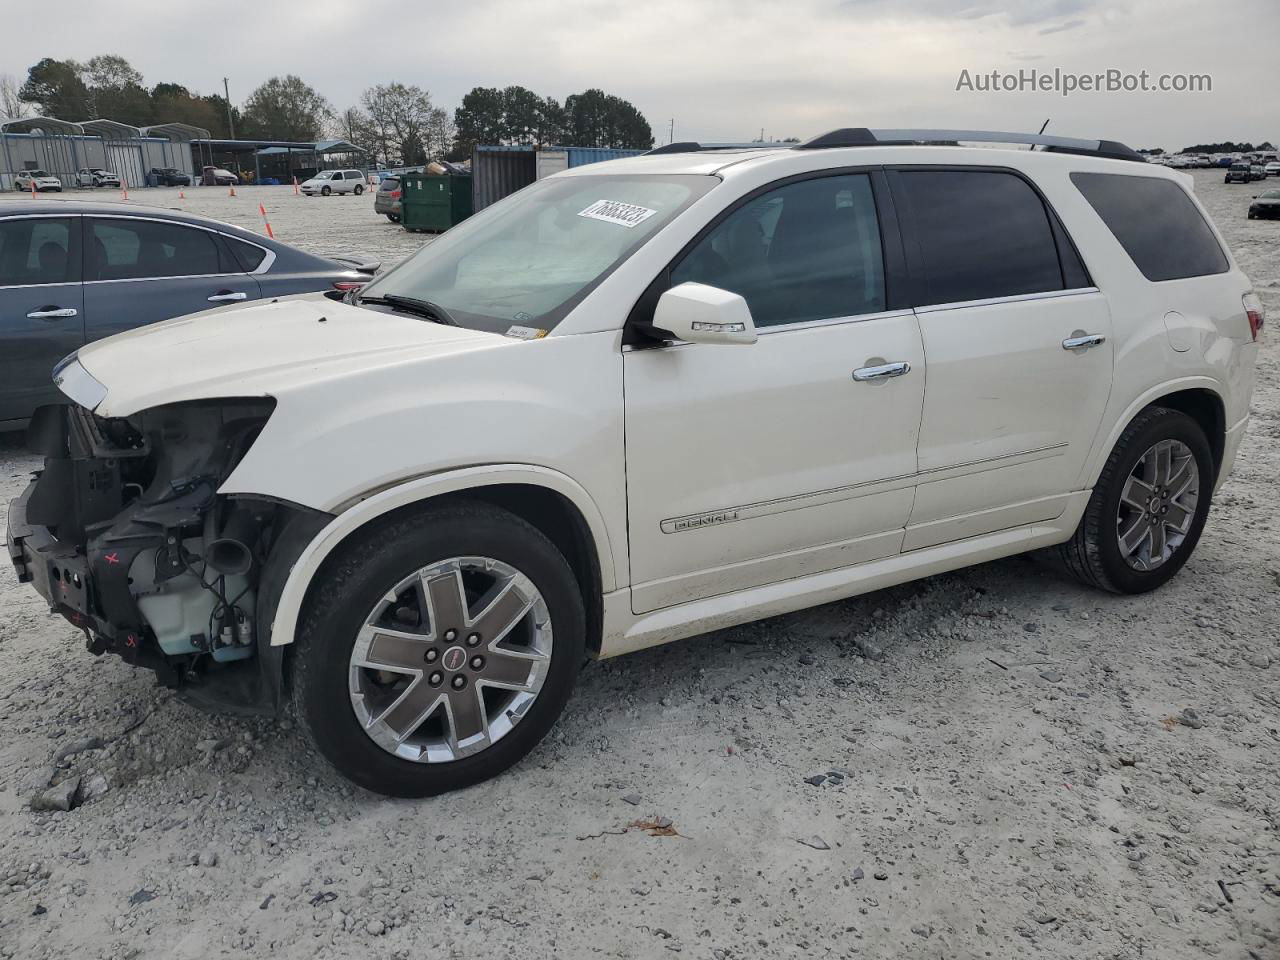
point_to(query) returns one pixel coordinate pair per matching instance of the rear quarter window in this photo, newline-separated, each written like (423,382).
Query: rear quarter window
(1157,223)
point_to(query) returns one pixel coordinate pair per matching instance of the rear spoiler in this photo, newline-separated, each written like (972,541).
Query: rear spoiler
(358,261)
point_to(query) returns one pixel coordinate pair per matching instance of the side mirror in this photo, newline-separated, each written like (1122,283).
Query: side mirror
(697,313)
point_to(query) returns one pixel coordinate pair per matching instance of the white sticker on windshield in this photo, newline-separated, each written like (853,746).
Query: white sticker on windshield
(615,211)
(526,333)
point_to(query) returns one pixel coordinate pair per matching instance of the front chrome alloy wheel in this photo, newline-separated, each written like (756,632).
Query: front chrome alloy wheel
(450,659)
(1158,504)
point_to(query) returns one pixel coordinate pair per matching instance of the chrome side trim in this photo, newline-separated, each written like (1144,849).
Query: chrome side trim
(832,321)
(1017,298)
(766,508)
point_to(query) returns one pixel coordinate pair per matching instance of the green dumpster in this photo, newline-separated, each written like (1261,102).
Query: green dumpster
(434,202)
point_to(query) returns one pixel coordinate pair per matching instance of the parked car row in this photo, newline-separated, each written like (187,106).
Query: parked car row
(1245,173)
(73,272)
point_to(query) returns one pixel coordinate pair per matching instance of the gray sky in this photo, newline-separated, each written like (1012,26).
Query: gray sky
(724,69)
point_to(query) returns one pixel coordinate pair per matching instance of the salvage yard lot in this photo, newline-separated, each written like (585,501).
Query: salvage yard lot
(320,225)
(996,762)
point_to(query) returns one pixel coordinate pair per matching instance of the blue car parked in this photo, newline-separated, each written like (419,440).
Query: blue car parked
(73,272)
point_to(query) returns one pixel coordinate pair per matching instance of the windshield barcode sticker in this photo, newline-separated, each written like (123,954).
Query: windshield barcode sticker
(615,211)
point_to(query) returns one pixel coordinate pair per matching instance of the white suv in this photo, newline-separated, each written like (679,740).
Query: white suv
(97,177)
(335,181)
(638,401)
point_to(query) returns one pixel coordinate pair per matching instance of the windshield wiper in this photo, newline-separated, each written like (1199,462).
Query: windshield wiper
(422,308)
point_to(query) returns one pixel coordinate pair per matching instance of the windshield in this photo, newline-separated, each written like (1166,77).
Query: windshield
(1271,195)
(36,173)
(324,175)
(530,259)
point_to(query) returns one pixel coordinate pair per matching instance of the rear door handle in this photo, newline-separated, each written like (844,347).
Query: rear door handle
(881,371)
(224,296)
(1083,343)
(51,313)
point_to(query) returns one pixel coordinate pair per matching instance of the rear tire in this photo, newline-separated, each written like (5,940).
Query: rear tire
(392,748)
(358,190)
(393,217)
(1098,552)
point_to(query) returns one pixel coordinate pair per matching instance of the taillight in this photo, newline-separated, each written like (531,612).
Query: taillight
(347,286)
(395,194)
(1256,314)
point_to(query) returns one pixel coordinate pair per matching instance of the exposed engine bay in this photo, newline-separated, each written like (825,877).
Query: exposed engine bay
(125,534)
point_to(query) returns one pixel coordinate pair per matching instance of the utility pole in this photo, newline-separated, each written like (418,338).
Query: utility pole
(671,137)
(231,124)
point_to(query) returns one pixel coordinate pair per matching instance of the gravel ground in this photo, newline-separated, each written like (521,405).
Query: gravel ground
(992,763)
(323,225)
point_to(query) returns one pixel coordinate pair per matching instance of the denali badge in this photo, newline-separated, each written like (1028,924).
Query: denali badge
(680,524)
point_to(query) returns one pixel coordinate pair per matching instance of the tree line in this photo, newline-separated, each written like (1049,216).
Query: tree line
(395,124)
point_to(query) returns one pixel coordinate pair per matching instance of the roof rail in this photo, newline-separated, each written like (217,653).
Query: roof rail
(692,146)
(863,137)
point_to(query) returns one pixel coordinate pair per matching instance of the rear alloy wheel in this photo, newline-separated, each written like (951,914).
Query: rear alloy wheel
(1148,508)
(440,650)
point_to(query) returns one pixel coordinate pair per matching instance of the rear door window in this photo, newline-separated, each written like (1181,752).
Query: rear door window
(1156,222)
(981,234)
(38,250)
(136,249)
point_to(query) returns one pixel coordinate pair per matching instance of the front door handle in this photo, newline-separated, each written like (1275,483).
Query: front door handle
(1084,342)
(881,371)
(51,312)
(223,296)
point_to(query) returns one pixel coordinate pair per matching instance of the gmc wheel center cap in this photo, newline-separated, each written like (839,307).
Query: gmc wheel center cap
(454,658)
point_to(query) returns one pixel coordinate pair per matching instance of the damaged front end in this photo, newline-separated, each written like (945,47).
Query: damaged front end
(125,534)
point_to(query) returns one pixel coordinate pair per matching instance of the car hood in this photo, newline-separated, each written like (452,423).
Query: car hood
(267,349)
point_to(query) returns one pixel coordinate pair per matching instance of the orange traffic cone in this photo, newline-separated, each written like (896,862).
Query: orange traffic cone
(124,189)
(295,187)
(263,210)
(181,195)
(231,191)
(33,189)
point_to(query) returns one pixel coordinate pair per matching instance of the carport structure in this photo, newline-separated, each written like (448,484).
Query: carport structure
(121,150)
(186,147)
(44,143)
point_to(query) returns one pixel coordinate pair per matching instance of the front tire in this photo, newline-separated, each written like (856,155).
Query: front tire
(1148,508)
(325,191)
(407,702)
(358,190)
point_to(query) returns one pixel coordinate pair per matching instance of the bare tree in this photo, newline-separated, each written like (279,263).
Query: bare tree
(407,127)
(12,106)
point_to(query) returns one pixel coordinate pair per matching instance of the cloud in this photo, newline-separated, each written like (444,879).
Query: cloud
(1061,27)
(725,68)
